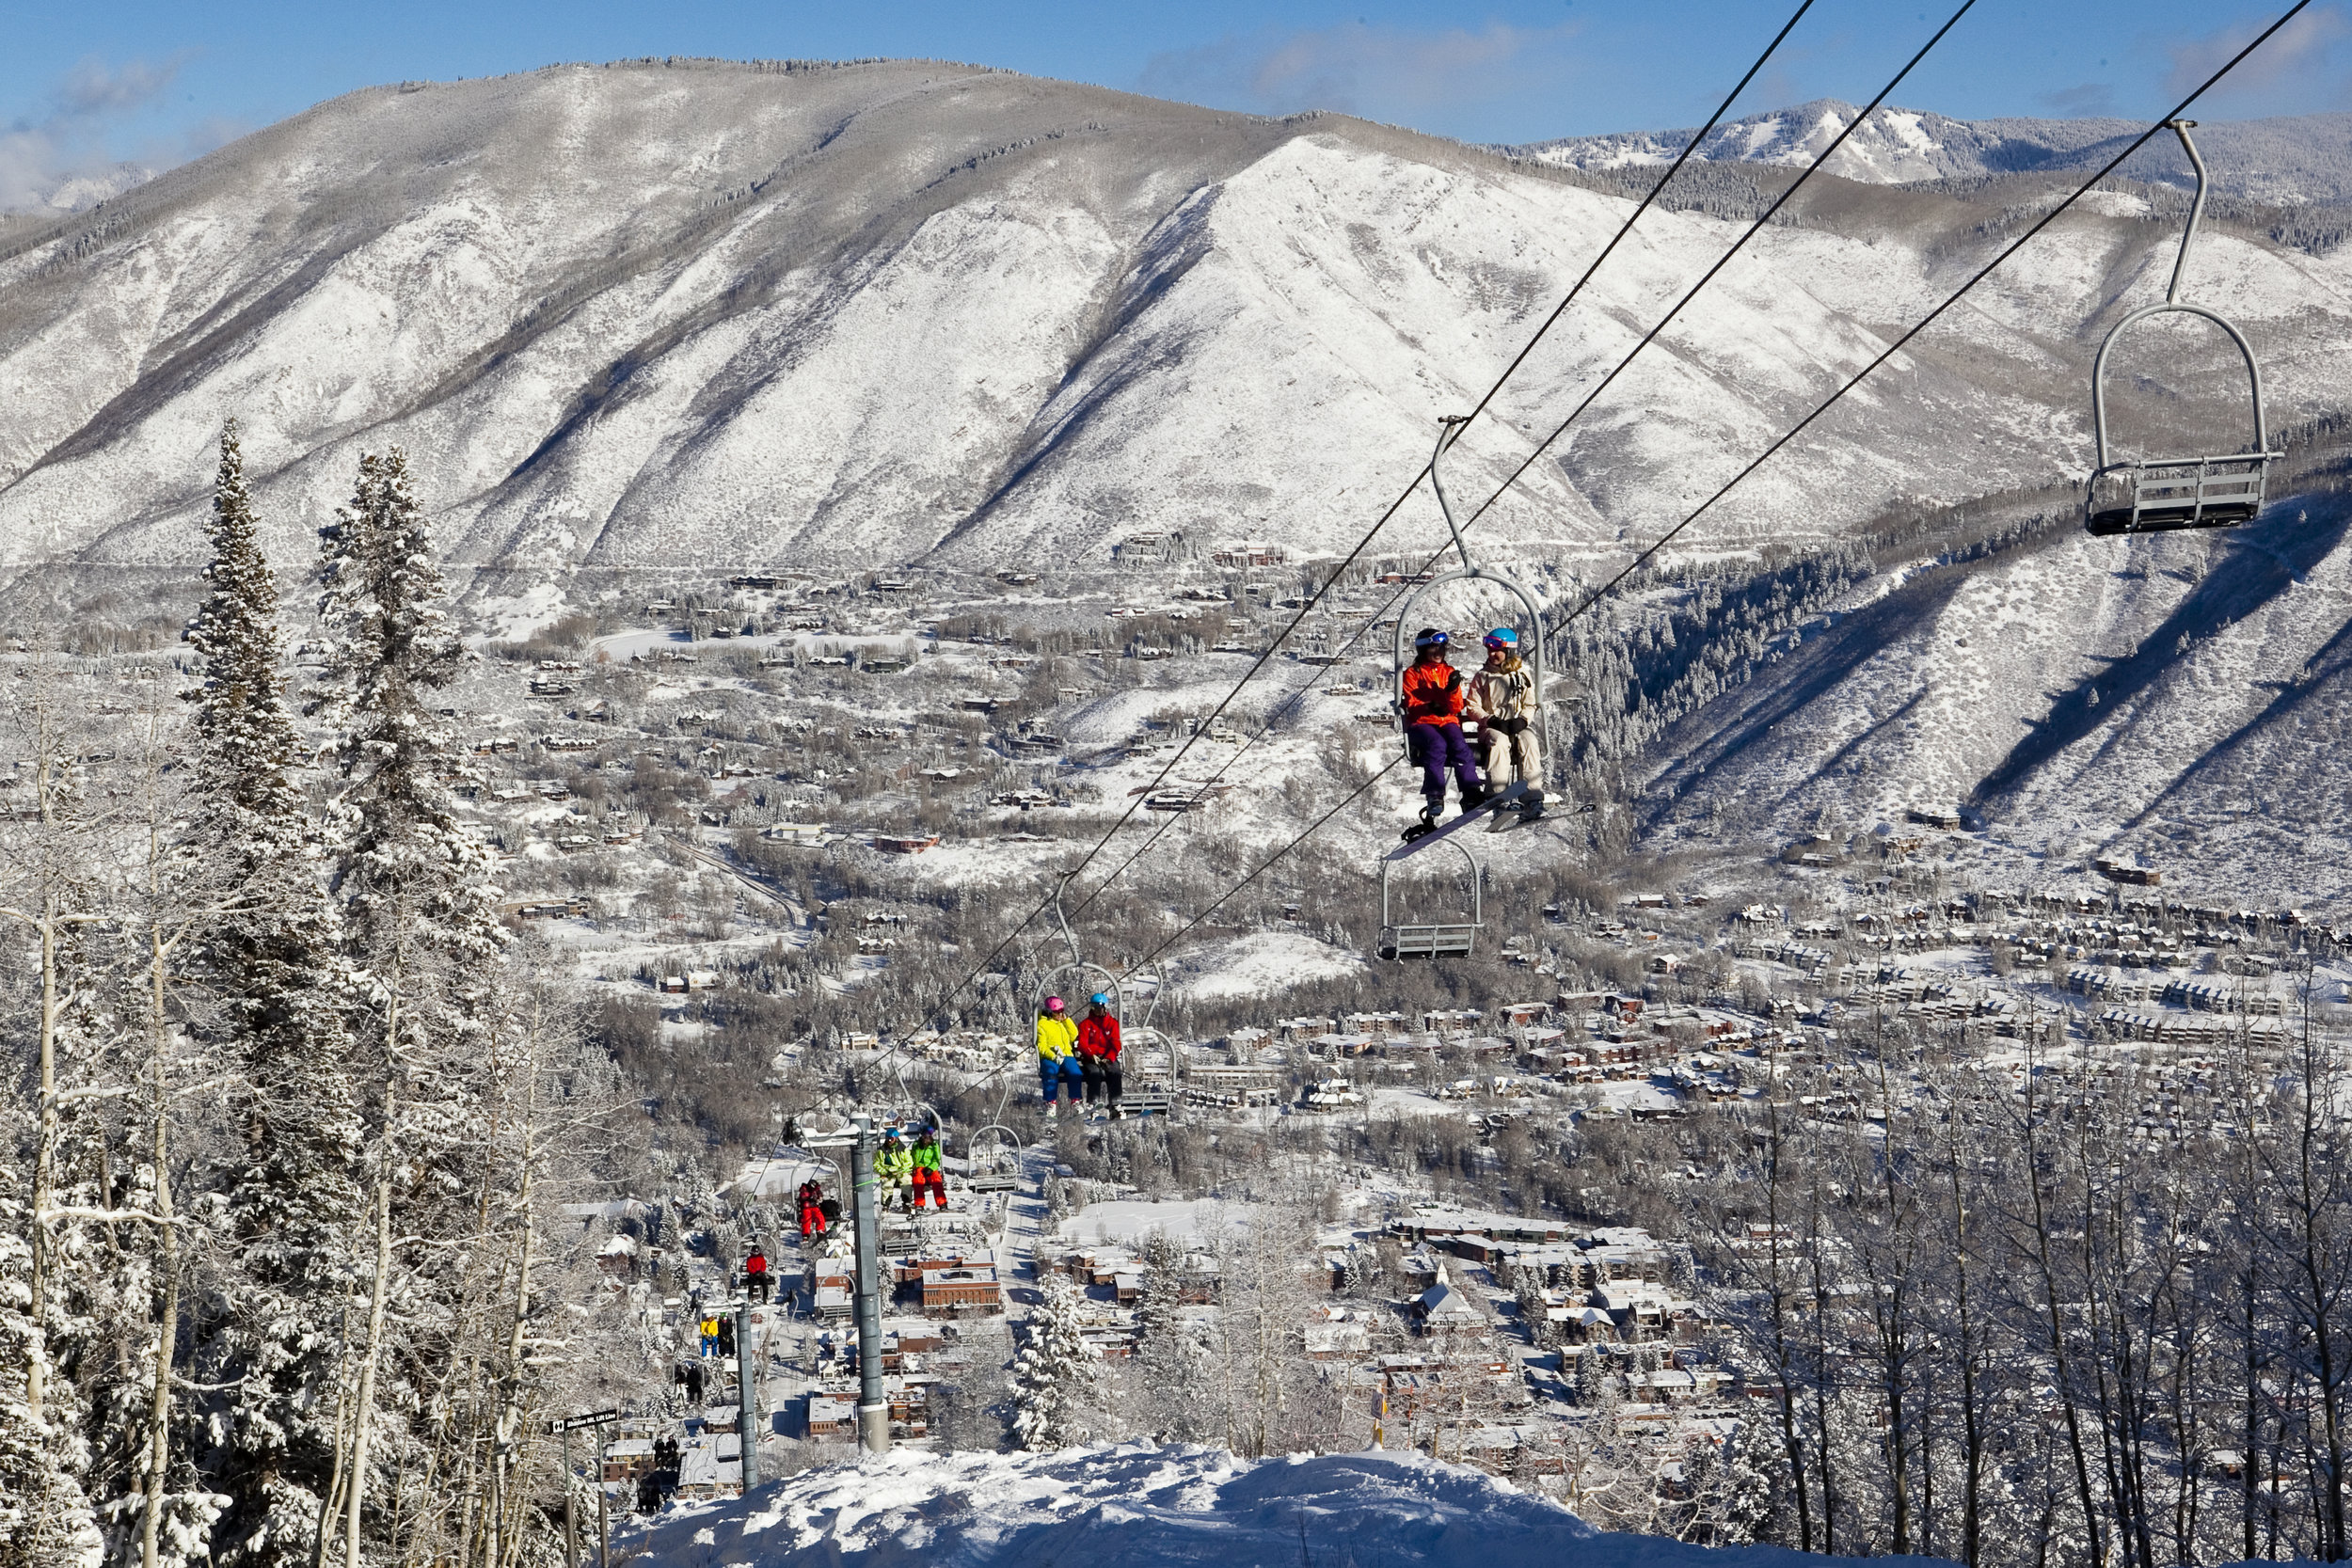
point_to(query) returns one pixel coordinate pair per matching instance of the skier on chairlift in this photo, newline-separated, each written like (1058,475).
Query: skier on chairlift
(1098,1052)
(812,1198)
(1057,1069)
(894,1171)
(929,1176)
(1431,695)
(1501,700)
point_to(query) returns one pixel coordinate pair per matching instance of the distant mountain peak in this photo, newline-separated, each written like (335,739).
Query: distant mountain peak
(79,193)
(2295,159)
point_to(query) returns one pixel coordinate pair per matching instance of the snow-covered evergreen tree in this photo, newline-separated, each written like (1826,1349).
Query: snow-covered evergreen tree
(414,884)
(1057,1375)
(1174,1395)
(271,1345)
(1754,1487)
(420,922)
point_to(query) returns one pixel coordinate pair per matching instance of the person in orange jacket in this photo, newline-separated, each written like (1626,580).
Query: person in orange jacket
(1430,696)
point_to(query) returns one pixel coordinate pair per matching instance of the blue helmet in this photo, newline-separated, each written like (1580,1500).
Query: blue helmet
(1502,637)
(1100,999)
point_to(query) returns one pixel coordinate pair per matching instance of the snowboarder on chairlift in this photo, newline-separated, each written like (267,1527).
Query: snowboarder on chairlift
(1098,1052)
(1501,700)
(812,1208)
(1431,696)
(1057,1068)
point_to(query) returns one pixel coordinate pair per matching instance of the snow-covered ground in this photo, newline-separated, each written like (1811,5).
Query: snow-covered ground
(1140,1507)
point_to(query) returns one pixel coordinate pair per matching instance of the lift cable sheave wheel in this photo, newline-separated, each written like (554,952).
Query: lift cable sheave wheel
(2151,494)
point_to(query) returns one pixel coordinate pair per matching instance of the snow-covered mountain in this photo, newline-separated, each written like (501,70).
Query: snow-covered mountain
(716,318)
(79,191)
(1155,1508)
(2289,159)
(691,314)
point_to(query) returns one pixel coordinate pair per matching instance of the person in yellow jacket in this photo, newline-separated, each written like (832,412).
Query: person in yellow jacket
(894,1169)
(1057,1069)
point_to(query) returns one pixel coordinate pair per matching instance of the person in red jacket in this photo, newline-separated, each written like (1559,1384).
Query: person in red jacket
(755,1275)
(1430,695)
(1098,1052)
(812,1209)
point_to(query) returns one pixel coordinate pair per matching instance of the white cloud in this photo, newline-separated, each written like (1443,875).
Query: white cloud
(61,156)
(2300,59)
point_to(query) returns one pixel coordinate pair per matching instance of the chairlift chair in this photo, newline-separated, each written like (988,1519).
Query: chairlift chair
(1150,1060)
(994,1154)
(2154,495)
(1402,939)
(1531,646)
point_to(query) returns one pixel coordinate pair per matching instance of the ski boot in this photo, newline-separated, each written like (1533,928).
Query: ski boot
(1425,823)
(1531,810)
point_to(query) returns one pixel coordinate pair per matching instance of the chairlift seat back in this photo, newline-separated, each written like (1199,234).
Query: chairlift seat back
(1427,942)
(2158,495)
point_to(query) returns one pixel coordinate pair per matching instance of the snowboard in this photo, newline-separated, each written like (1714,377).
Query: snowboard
(1507,799)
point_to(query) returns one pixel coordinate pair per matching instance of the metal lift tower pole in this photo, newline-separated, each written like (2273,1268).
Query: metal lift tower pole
(749,1440)
(873,1406)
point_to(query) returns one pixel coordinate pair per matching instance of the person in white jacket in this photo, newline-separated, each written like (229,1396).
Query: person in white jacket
(1501,697)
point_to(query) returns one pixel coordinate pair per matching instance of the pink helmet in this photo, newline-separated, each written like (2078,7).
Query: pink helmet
(1053,1005)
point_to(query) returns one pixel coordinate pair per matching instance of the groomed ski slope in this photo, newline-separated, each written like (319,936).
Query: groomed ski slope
(1135,1506)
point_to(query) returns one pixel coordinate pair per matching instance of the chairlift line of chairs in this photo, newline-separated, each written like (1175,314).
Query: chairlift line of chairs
(2154,495)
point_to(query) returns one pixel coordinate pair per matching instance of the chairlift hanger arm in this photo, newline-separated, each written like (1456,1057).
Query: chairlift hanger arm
(2181,128)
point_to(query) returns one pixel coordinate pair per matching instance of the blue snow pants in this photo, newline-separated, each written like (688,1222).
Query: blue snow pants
(1065,1075)
(1434,748)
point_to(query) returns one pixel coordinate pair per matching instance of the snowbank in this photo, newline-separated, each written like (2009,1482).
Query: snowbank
(1154,1508)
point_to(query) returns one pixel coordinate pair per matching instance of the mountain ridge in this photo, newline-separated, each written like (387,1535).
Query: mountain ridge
(900,313)
(2298,158)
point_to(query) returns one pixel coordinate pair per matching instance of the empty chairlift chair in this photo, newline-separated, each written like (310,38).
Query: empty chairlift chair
(2157,494)
(1450,939)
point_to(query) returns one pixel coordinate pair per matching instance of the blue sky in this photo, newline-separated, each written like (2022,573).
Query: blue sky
(81,85)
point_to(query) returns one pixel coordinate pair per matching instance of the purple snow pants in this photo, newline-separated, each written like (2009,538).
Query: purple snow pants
(1434,748)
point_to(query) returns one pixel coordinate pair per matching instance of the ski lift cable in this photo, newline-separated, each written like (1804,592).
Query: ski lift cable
(1979,276)
(1574,290)
(1754,229)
